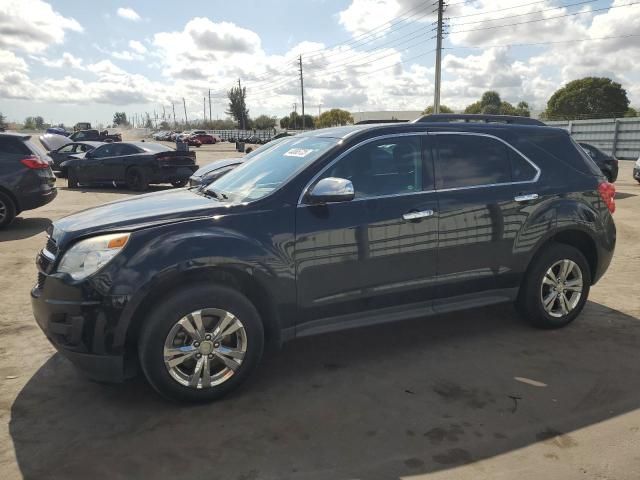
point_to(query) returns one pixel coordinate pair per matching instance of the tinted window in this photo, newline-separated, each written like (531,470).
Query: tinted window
(126,150)
(13,145)
(521,170)
(67,148)
(383,167)
(107,150)
(470,160)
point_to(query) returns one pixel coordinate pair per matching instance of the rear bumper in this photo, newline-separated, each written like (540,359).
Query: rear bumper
(37,199)
(170,173)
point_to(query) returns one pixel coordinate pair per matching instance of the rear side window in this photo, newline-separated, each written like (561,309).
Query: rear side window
(563,149)
(470,161)
(521,170)
(13,145)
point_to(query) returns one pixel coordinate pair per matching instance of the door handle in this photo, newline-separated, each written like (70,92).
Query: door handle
(417,215)
(526,198)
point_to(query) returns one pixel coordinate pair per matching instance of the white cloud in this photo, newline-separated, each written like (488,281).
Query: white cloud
(67,61)
(137,47)
(128,14)
(32,25)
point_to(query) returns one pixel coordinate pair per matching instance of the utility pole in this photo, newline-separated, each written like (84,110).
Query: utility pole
(155,116)
(319,109)
(204,109)
(186,120)
(436,96)
(175,124)
(210,119)
(302,90)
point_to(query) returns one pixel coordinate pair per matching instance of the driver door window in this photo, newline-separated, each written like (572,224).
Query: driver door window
(383,167)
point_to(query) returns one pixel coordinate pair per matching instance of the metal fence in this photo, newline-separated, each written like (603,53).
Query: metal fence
(617,136)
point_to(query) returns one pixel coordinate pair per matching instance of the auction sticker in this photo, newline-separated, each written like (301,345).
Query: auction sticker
(298,152)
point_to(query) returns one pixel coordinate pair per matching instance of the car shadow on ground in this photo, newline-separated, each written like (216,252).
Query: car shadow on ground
(623,195)
(388,402)
(22,228)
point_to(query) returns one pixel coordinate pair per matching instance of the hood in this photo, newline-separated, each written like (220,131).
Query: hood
(135,213)
(53,141)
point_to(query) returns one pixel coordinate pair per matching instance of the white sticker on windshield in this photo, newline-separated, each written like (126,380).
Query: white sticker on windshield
(298,152)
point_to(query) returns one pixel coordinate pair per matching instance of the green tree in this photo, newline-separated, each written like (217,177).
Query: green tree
(120,119)
(264,122)
(589,97)
(237,106)
(492,104)
(39,122)
(164,125)
(284,122)
(443,109)
(29,123)
(333,118)
(3,123)
(631,112)
(147,121)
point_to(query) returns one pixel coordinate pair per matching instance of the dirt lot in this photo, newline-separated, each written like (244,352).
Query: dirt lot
(472,395)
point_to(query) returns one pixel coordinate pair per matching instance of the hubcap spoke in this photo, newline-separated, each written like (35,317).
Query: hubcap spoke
(564,304)
(229,362)
(197,372)
(565,268)
(227,325)
(549,300)
(206,372)
(573,285)
(175,356)
(550,279)
(230,352)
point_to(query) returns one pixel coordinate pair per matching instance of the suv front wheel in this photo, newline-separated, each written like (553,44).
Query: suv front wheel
(556,287)
(200,343)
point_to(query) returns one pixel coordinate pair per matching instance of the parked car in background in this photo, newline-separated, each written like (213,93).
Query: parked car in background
(82,126)
(66,152)
(330,229)
(191,141)
(95,136)
(213,171)
(204,138)
(607,163)
(26,179)
(636,170)
(57,131)
(134,164)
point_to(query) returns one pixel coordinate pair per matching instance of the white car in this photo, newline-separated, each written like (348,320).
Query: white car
(636,170)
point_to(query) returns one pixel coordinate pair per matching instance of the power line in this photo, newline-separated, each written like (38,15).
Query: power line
(484,12)
(575,40)
(547,18)
(525,14)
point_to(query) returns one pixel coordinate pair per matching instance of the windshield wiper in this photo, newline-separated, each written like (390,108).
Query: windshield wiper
(212,193)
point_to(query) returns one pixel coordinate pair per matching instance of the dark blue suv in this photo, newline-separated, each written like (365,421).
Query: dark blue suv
(327,230)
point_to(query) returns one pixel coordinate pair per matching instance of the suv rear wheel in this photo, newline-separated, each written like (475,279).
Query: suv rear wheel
(556,287)
(7,210)
(201,343)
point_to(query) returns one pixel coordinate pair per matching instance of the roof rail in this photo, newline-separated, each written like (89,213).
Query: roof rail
(371,122)
(468,117)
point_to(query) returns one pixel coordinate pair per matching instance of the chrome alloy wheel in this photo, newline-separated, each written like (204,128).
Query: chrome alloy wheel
(561,288)
(205,348)
(3,211)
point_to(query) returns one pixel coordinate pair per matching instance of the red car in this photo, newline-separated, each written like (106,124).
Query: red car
(192,142)
(204,138)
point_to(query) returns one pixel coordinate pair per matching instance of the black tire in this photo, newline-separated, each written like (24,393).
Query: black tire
(179,183)
(166,314)
(72,178)
(7,210)
(137,180)
(530,298)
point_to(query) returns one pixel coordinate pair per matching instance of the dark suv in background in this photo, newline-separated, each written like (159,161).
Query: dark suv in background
(607,163)
(330,229)
(26,180)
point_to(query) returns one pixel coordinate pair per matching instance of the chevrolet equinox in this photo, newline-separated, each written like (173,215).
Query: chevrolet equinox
(326,230)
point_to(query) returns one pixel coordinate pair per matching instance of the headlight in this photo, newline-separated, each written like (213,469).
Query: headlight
(88,256)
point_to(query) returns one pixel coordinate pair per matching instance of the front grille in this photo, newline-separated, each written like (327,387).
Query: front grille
(51,246)
(41,278)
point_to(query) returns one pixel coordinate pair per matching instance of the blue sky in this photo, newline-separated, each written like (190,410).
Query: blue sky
(73,61)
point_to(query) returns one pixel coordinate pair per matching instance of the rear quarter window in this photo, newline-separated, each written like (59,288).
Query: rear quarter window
(564,150)
(13,146)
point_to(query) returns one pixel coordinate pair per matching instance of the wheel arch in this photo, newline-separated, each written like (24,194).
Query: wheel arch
(576,238)
(246,284)
(12,197)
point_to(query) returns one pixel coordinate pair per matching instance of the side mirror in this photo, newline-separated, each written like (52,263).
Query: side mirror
(331,189)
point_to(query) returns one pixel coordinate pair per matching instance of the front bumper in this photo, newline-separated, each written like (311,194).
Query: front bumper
(636,173)
(79,325)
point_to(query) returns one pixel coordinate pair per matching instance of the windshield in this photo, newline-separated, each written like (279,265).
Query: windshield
(271,168)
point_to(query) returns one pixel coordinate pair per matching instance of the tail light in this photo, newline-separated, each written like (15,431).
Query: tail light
(607,192)
(165,159)
(34,162)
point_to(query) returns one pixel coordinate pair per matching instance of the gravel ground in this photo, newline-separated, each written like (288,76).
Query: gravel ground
(472,395)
